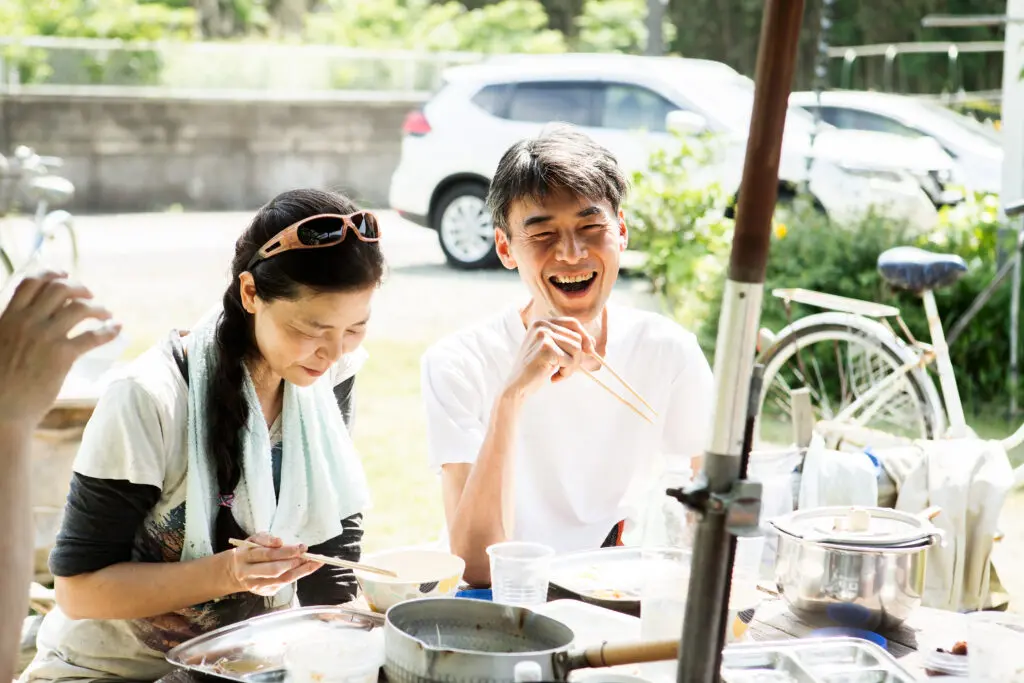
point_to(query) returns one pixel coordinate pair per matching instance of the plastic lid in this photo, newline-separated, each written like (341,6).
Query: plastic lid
(858,526)
(527,672)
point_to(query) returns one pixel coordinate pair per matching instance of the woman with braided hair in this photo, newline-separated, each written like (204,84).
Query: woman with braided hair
(236,429)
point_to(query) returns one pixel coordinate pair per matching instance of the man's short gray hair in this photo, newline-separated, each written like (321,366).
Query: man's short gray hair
(560,159)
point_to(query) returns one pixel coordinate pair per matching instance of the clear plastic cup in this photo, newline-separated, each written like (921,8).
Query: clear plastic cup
(520,572)
(995,647)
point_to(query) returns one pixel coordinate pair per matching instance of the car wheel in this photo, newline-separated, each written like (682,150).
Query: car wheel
(464,227)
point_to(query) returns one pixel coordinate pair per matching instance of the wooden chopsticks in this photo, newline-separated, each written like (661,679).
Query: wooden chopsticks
(323,559)
(622,399)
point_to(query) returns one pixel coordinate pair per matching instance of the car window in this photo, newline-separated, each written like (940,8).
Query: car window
(854,119)
(571,102)
(493,98)
(630,107)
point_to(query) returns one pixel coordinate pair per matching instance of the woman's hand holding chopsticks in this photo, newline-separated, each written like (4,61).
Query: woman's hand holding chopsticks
(267,569)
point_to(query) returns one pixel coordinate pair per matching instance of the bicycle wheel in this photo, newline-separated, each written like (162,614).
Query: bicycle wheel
(839,357)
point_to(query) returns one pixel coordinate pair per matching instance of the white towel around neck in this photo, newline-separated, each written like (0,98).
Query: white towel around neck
(322,477)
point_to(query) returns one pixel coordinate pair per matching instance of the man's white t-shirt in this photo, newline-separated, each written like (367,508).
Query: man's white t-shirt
(583,460)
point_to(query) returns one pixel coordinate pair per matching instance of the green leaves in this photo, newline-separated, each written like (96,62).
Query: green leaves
(681,228)
(506,26)
(616,26)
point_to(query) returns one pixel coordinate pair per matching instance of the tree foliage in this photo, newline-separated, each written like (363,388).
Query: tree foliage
(723,30)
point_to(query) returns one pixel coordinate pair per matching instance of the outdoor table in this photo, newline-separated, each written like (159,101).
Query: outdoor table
(773,621)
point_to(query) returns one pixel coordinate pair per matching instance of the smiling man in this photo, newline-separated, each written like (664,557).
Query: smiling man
(529,448)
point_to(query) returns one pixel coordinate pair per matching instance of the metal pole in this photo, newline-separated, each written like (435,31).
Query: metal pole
(1013,167)
(704,626)
(820,77)
(1014,333)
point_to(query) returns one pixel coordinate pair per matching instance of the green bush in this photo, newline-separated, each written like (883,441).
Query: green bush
(681,228)
(616,26)
(686,241)
(815,254)
(506,26)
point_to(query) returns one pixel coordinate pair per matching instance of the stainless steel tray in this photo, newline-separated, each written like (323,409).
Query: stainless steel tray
(814,660)
(252,651)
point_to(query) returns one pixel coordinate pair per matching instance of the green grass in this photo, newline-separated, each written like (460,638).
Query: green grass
(390,432)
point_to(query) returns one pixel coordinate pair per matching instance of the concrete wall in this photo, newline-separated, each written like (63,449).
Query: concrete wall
(138,152)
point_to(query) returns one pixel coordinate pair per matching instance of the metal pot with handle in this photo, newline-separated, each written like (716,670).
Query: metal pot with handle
(861,567)
(454,640)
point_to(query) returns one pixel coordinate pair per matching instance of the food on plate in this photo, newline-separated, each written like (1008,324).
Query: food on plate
(613,581)
(240,667)
(959,648)
(612,594)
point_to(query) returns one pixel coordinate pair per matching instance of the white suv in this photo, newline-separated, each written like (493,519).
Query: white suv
(451,147)
(976,149)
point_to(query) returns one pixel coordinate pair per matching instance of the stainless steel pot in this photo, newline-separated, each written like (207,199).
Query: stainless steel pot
(870,578)
(454,640)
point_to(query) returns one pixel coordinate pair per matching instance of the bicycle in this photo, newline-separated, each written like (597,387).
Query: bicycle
(885,394)
(26,178)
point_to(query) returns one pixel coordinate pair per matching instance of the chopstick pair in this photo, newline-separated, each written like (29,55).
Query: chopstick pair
(622,399)
(604,364)
(323,559)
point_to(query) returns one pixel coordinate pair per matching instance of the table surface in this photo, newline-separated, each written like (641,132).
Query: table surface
(773,621)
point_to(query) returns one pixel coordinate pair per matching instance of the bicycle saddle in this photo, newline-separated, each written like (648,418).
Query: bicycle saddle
(52,189)
(918,270)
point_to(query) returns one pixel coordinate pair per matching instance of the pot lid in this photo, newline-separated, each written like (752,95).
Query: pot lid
(858,526)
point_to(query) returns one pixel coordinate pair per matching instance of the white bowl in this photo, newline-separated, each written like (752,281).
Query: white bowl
(421,574)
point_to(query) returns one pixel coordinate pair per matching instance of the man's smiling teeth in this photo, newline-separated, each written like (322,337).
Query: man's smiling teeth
(570,279)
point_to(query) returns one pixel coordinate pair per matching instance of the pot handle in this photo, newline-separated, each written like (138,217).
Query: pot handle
(631,653)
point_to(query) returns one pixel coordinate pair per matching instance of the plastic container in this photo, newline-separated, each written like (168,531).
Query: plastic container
(520,572)
(774,470)
(348,656)
(995,647)
(663,592)
(666,523)
(743,594)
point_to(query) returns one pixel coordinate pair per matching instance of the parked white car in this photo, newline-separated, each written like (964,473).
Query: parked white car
(976,149)
(451,147)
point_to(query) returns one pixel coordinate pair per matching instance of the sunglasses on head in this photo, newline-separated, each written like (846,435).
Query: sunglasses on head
(321,230)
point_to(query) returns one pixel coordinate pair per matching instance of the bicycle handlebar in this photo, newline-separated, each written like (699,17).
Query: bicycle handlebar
(1014,209)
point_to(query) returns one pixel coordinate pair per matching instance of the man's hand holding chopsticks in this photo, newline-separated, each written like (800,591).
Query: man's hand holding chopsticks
(553,350)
